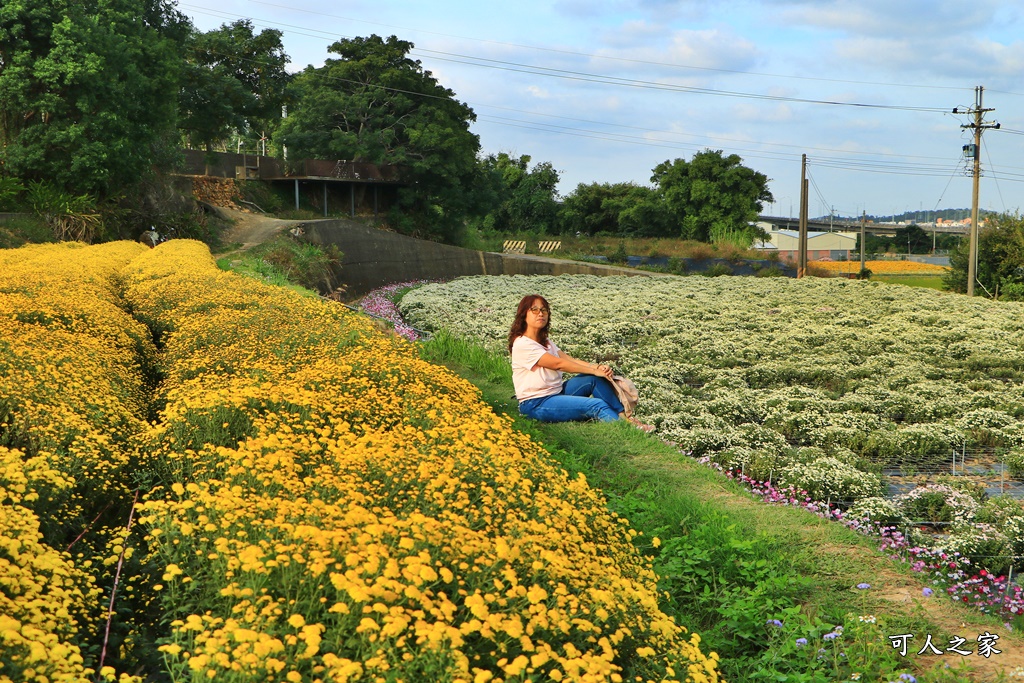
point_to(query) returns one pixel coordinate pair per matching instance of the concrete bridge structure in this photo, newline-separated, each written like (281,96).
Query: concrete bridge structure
(842,225)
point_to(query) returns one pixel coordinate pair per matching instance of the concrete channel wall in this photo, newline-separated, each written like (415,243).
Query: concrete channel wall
(373,258)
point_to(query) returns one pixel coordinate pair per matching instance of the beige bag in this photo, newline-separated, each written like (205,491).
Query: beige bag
(628,395)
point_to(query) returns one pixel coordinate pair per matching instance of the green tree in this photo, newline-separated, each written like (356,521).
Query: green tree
(233,80)
(714,198)
(911,239)
(526,199)
(1000,271)
(375,104)
(84,90)
(643,213)
(598,207)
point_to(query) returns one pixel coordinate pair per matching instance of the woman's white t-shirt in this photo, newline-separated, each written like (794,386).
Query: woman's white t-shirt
(529,379)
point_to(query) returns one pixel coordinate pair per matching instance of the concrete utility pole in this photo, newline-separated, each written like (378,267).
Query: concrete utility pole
(863,231)
(801,263)
(975,151)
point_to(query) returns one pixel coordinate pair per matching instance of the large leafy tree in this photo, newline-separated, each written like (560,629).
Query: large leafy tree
(714,198)
(1000,260)
(617,208)
(233,80)
(374,104)
(525,198)
(84,89)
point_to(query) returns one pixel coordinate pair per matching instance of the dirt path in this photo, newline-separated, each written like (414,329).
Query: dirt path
(251,229)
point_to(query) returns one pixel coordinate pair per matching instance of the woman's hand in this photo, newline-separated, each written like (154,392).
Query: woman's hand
(604,371)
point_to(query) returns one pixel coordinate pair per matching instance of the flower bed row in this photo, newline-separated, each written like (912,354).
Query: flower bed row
(72,394)
(949,570)
(881,267)
(330,507)
(777,374)
(322,505)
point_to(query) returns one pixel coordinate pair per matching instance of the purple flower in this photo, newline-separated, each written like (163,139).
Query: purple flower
(774,622)
(863,586)
(908,678)
(927,592)
(800,642)
(830,636)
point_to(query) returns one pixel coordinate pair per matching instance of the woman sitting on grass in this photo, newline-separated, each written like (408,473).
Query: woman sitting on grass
(537,367)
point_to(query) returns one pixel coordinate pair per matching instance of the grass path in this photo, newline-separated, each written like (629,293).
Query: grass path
(628,465)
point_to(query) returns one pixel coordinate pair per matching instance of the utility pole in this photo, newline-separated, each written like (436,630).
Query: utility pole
(975,151)
(863,231)
(801,263)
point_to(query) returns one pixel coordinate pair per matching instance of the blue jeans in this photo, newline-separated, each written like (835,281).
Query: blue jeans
(584,397)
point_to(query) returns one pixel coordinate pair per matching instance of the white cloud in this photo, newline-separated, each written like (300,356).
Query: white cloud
(635,33)
(779,113)
(683,56)
(966,57)
(934,18)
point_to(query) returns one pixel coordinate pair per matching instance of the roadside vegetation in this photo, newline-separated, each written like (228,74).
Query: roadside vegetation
(287,261)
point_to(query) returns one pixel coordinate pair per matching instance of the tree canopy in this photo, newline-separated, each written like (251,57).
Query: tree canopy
(713,198)
(84,89)
(375,104)
(233,80)
(1000,260)
(616,208)
(524,199)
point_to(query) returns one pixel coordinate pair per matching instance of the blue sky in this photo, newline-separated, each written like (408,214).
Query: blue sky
(607,89)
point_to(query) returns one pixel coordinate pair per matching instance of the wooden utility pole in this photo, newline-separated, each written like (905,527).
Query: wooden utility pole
(801,263)
(975,150)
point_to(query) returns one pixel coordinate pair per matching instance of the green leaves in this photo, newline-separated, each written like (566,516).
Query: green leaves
(71,217)
(83,90)
(1000,260)
(233,79)
(523,198)
(374,104)
(10,189)
(713,197)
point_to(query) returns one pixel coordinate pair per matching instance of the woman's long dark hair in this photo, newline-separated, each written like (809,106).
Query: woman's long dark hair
(519,324)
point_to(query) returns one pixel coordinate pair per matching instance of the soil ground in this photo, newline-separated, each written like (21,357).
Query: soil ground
(251,229)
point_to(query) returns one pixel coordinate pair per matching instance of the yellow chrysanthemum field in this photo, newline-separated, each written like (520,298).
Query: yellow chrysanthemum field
(882,267)
(316,503)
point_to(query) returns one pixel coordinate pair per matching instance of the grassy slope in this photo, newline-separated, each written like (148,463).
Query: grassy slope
(662,492)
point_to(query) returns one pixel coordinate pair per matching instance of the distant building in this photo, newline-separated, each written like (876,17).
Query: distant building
(835,246)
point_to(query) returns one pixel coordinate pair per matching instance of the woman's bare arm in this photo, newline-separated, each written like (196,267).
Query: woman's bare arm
(567,363)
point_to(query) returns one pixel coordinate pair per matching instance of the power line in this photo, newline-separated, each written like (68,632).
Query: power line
(817,190)
(908,168)
(629,60)
(995,177)
(657,85)
(943,194)
(610,136)
(568,74)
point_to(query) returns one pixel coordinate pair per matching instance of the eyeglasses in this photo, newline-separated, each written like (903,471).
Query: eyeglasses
(539,309)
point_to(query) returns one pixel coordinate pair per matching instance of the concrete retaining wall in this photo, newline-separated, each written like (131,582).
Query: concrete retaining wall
(374,258)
